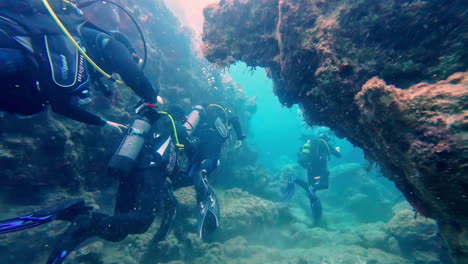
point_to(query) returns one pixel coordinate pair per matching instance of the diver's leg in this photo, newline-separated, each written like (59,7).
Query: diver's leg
(200,178)
(170,212)
(117,227)
(80,230)
(182,179)
(325,180)
(315,204)
(318,178)
(302,183)
(126,194)
(136,219)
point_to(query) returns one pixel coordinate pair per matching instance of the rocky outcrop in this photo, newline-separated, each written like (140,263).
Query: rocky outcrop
(342,62)
(47,158)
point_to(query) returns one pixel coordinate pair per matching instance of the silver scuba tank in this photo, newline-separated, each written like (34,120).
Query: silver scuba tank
(125,157)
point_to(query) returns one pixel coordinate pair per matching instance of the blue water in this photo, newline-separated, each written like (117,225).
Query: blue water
(275,131)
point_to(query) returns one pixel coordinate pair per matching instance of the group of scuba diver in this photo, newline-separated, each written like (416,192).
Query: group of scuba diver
(50,54)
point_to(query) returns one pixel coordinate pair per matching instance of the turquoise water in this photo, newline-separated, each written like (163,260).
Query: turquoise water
(276,131)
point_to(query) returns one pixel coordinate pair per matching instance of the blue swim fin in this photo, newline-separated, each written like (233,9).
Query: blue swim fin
(66,210)
(290,189)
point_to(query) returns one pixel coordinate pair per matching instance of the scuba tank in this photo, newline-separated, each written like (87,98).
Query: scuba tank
(306,147)
(193,119)
(126,155)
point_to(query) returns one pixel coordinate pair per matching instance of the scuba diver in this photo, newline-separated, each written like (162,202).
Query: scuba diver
(143,163)
(314,156)
(49,54)
(209,133)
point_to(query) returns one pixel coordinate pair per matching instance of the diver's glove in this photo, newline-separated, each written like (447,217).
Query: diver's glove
(290,189)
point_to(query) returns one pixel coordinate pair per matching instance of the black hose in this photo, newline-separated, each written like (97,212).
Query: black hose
(86,4)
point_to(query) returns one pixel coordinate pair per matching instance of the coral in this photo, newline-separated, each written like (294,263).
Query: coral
(341,61)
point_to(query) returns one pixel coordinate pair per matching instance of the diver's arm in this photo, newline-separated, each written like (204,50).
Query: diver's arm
(335,152)
(237,128)
(76,113)
(117,55)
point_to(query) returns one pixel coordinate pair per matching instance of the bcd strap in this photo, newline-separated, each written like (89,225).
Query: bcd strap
(67,65)
(221,128)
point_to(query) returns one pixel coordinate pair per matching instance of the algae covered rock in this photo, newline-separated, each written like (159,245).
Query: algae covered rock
(245,214)
(414,233)
(342,62)
(310,238)
(377,256)
(237,248)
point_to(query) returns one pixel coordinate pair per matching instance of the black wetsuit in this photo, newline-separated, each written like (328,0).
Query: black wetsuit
(316,164)
(31,85)
(141,195)
(208,148)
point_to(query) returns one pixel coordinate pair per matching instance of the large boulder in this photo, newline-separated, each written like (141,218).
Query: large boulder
(417,237)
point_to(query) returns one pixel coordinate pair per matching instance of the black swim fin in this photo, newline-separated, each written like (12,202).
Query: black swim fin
(170,213)
(208,213)
(65,211)
(80,230)
(315,205)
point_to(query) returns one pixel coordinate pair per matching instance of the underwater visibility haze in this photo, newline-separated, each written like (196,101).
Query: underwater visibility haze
(233,131)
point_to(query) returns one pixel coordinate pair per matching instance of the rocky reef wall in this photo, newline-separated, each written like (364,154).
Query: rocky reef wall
(342,62)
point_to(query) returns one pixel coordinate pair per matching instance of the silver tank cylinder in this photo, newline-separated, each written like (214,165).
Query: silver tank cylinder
(125,157)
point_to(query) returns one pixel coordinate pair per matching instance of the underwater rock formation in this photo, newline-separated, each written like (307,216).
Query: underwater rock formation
(416,236)
(278,237)
(342,62)
(49,158)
